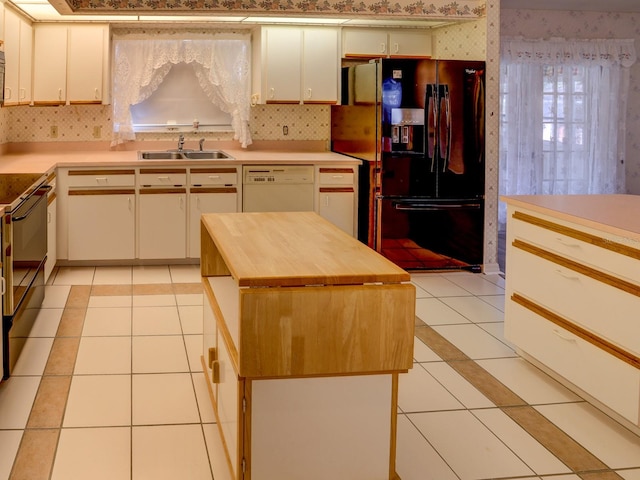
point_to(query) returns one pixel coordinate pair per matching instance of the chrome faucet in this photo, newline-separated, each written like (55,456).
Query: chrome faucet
(180,142)
(201,143)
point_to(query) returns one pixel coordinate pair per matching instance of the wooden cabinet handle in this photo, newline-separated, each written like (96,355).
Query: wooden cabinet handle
(215,371)
(213,355)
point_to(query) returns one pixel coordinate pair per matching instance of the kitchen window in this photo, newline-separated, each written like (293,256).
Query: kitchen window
(164,83)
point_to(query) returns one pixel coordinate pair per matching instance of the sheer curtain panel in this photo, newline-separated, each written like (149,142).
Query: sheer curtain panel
(563,110)
(221,63)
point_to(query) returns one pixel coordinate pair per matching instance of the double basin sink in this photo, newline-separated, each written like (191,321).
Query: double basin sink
(184,155)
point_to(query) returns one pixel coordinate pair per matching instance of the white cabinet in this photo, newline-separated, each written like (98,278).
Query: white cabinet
(336,196)
(69,64)
(378,42)
(162,225)
(573,293)
(51,230)
(18,55)
(297,64)
(213,190)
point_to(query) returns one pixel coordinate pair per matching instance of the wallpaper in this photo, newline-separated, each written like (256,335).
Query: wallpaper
(545,24)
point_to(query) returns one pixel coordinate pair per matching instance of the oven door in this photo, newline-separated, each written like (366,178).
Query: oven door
(428,234)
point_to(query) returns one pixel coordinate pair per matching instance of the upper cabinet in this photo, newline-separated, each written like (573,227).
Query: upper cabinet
(296,65)
(18,35)
(379,42)
(70,64)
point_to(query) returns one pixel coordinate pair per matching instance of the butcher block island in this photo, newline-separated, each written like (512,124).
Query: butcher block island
(573,293)
(306,330)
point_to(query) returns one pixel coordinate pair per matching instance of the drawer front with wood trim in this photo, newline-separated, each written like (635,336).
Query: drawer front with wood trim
(214,176)
(102,178)
(609,380)
(164,177)
(336,176)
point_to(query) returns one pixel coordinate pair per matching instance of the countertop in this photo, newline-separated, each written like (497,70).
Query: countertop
(42,161)
(615,214)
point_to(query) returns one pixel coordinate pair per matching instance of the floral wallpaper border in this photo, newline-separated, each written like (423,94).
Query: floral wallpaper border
(399,8)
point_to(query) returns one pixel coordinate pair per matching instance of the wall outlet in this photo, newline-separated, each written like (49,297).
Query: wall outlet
(54,131)
(97,131)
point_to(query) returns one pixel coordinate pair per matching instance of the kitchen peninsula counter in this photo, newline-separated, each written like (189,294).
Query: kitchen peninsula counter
(305,333)
(573,293)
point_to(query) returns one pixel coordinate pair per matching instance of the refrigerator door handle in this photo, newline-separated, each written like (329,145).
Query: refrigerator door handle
(429,207)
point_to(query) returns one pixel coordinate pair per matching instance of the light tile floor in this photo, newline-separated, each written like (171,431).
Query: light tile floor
(110,386)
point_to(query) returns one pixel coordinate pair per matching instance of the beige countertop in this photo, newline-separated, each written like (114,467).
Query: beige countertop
(615,214)
(42,160)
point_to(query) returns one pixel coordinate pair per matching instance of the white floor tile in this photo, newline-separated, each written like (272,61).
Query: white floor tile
(191,319)
(496,279)
(470,449)
(420,292)
(119,275)
(474,309)
(495,300)
(167,300)
(433,312)
(33,357)
(47,322)
(203,398)
(422,353)
(616,446)
(216,452)
(528,382)
(16,398)
(462,390)
(538,458)
(159,354)
(95,453)
(439,286)
(193,344)
(185,273)
(107,321)
(189,299)
(496,330)
(415,457)
(475,284)
(9,443)
(630,474)
(99,401)
(167,398)
(151,274)
(55,296)
(169,453)
(110,301)
(74,276)
(156,321)
(103,355)
(474,341)
(418,391)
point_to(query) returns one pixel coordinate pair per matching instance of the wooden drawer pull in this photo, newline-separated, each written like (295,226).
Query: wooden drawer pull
(215,371)
(213,355)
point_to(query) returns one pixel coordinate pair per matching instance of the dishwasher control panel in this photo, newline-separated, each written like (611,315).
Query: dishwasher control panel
(272,174)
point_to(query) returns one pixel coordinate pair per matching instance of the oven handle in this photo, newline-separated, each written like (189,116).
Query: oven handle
(431,207)
(17,219)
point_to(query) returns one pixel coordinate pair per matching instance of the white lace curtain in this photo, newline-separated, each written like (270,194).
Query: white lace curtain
(563,111)
(221,63)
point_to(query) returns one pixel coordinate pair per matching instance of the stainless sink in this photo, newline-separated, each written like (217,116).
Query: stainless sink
(184,155)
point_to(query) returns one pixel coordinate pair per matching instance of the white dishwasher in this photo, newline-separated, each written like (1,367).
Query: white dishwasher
(277,188)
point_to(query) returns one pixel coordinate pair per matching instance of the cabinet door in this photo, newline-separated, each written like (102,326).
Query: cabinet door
(365,42)
(337,206)
(410,44)
(109,235)
(85,63)
(51,239)
(162,228)
(50,65)
(223,202)
(282,57)
(320,65)
(18,54)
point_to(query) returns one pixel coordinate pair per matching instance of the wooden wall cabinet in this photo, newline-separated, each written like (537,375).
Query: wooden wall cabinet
(303,346)
(573,295)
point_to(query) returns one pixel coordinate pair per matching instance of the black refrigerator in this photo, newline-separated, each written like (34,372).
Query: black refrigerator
(418,126)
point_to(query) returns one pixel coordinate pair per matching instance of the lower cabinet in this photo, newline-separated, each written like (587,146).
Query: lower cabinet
(109,235)
(337,197)
(51,238)
(162,228)
(208,200)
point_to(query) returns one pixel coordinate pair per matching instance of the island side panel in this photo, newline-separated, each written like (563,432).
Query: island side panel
(211,262)
(326,330)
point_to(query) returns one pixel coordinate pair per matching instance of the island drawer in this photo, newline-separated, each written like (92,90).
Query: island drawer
(102,178)
(214,176)
(610,253)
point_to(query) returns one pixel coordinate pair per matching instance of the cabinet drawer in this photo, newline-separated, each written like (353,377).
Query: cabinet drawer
(102,178)
(336,176)
(163,176)
(613,316)
(610,254)
(608,379)
(214,176)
